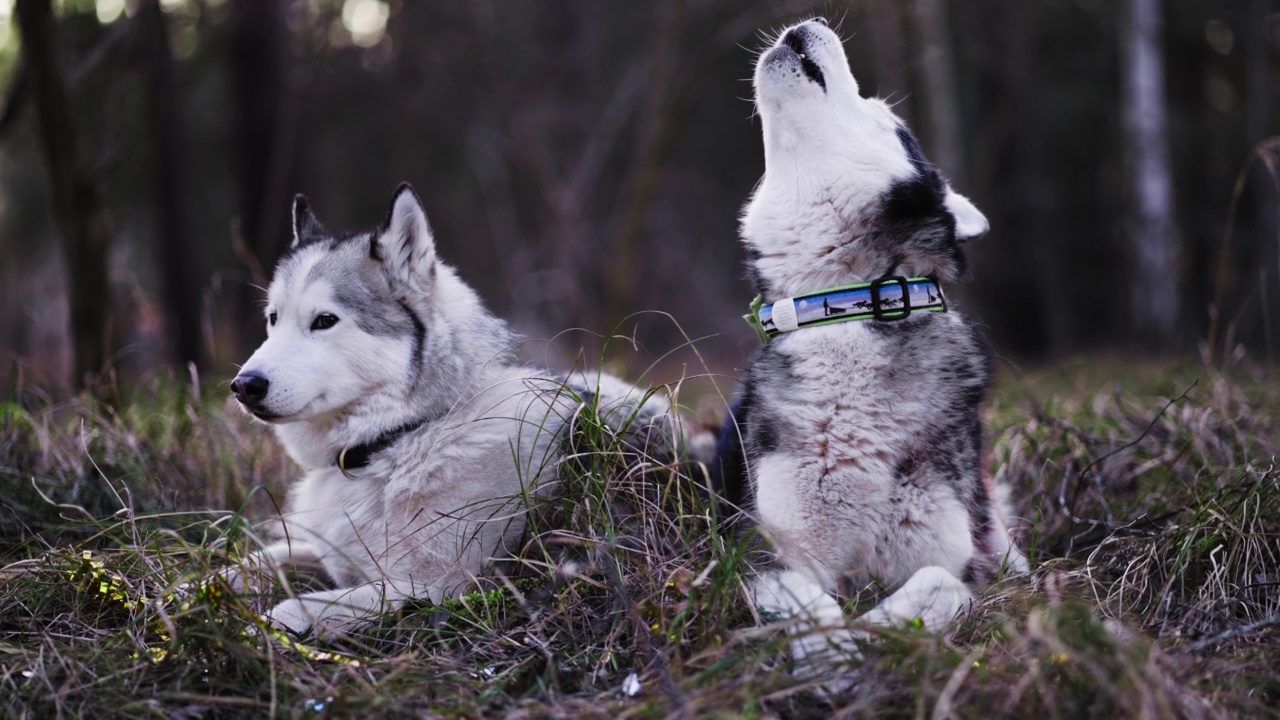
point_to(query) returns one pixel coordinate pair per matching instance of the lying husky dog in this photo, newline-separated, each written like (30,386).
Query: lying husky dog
(395,390)
(859,418)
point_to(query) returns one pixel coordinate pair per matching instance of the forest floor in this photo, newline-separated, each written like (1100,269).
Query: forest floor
(1150,499)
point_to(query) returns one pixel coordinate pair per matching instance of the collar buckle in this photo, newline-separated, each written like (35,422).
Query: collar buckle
(878,303)
(342,464)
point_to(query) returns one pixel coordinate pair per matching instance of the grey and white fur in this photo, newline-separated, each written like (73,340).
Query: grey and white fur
(374,343)
(862,440)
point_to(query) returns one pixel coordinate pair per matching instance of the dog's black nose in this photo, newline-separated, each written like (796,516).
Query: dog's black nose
(822,20)
(250,389)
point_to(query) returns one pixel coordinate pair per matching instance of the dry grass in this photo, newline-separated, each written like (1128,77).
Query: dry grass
(1151,499)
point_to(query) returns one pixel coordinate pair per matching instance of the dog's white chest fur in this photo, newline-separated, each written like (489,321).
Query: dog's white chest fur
(838,491)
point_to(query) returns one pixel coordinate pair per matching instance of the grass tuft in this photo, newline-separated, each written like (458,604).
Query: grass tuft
(1149,500)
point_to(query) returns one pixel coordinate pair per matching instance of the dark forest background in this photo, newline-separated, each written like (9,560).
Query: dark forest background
(582,160)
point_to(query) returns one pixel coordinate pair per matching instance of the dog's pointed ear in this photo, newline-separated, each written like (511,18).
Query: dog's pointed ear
(970,222)
(404,244)
(305,225)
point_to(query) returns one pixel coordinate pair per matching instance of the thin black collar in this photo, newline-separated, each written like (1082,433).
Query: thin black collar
(358,456)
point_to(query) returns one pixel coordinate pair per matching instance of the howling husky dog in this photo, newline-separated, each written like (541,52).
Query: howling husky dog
(859,419)
(395,390)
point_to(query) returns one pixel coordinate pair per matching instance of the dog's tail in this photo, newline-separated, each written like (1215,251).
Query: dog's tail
(1003,522)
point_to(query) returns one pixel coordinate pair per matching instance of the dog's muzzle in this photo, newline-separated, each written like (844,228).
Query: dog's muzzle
(250,389)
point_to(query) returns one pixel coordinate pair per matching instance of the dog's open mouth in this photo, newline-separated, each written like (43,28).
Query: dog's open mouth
(794,41)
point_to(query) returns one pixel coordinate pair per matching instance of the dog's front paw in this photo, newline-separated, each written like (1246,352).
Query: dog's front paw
(822,646)
(329,614)
(323,619)
(932,597)
(292,616)
(827,657)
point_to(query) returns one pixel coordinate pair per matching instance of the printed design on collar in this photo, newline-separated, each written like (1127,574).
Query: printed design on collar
(890,298)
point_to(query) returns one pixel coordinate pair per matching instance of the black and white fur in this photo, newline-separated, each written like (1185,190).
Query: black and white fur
(370,333)
(862,440)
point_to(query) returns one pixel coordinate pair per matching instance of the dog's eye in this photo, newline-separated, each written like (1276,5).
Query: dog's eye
(324,321)
(271,319)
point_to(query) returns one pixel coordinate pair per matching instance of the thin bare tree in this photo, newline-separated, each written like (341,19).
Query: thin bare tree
(1259,96)
(942,98)
(1153,232)
(266,118)
(76,206)
(886,29)
(177,262)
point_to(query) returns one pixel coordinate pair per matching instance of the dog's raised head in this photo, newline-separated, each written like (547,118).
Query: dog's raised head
(847,196)
(364,333)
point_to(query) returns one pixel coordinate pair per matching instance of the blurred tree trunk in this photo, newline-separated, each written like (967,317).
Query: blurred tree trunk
(887,32)
(1259,96)
(16,97)
(656,126)
(177,265)
(566,235)
(77,210)
(1154,303)
(555,219)
(942,98)
(562,192)
(257,82)
(1022,241)
(258,43)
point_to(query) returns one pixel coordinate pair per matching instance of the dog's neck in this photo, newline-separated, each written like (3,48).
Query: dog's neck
(355,457)
(808,232)
(837,240)
(316,444)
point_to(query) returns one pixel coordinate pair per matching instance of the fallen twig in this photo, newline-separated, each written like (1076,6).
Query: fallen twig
(1233,633)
